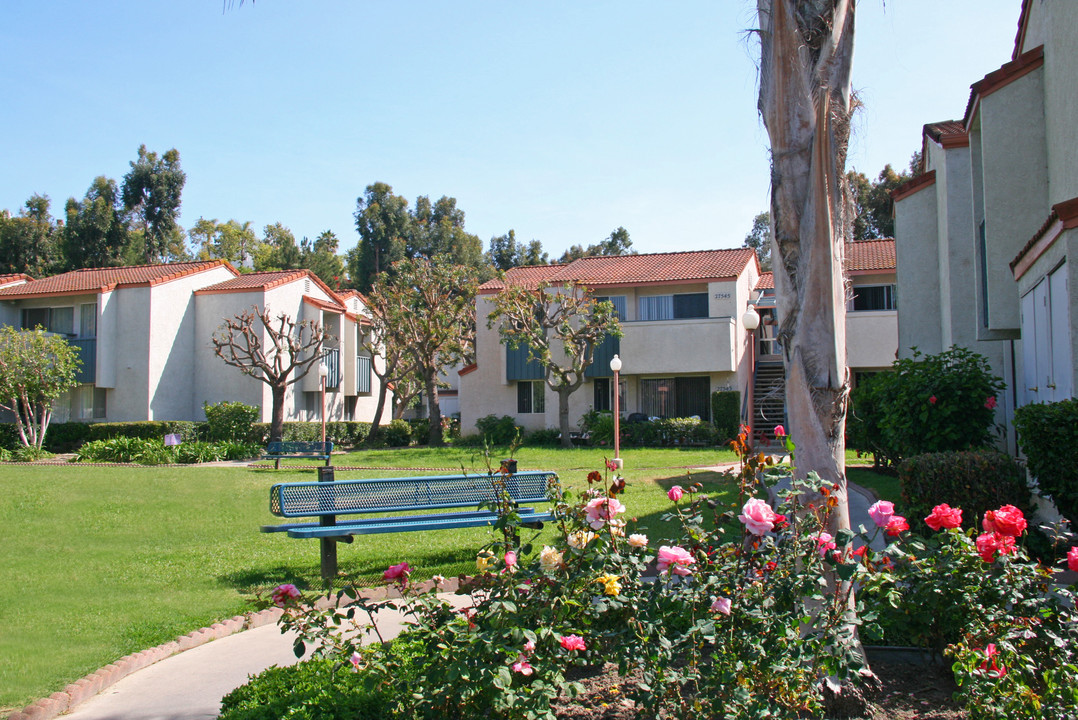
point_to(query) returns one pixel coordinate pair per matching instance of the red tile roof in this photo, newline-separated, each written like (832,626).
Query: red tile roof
(1007,73)
(911,186)
(14,278)
(949,134)
(96,280)
(1064,216)
(254,281)
(766,282)
(870,255)
(651,269)
(327,305)
(1023,23)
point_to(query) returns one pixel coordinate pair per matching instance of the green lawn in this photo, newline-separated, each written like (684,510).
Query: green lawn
(102,562)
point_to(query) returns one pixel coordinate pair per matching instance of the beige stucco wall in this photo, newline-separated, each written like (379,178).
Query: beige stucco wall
(218,382)
(916,247)
(1015,185)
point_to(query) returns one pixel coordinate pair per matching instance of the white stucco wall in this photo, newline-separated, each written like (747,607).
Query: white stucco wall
(218,382)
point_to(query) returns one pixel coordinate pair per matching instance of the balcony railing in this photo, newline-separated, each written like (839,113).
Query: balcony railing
(332,358)
(363,375)
(87,351)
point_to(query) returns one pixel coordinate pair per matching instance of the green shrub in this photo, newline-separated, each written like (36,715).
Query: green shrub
(9,436)
(1048,436)
(726,413)
(397,433)
(600,428)
(931,403)
(976,481)
(667,432)
(498,430)
(66,437)
(862,421)
(145,430)
(30,453)
(230,421)
(318,689)
(547,437)
(126,450)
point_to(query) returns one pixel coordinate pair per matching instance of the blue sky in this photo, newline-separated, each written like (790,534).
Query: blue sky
(561,120)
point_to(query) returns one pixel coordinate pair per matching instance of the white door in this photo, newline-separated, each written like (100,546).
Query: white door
(1059,324)
(1031,389)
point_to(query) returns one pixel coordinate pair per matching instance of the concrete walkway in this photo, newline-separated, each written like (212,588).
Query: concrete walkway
(189,684)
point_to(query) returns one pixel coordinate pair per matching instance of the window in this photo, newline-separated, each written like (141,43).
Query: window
(874,297)
(676,397)
(618,301)
(602,394)
(531,398)
(673,307)
(56,320)
(88,320)
(88,403)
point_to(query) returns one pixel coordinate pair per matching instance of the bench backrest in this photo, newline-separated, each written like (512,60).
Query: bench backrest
(297,447)
(343,497)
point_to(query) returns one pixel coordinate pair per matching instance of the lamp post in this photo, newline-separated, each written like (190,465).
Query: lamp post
(615,365)
(751,321)
(323,373)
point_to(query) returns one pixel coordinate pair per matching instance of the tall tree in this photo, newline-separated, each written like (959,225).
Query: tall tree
(431,306)
(29,241)
(36,368)
(95,234)
(616,243)
(806,56)
(274,349)
(382,221)
(151,194)
(873,207)
(278,250)
(759,239)
(561,327)
(506,252)
(225,241)
(320,257)
(438,229)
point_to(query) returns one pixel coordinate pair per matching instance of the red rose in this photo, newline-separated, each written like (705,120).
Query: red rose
(944,517)
(1008,520)
(1072,558)
(989,544)
(896,526)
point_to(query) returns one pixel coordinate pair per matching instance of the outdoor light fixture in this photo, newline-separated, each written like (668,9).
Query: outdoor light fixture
(323,373)
(615,366)
(751,319)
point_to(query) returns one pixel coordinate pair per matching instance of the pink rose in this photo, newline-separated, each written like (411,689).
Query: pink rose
(932,400)
(990,402)
(1072,559)
(356,661)
(611,466)
(825,542)
(397,572)
(944,517)
(779,431)
(601,510)
(675,559)
(881,512)
(284,594)
(722,605)
(510,559)
(529,647)
(523,667)
(573,642)
(989,666)
(991,543)
(1008,520)
(675,493)
(758,517)
(896,526)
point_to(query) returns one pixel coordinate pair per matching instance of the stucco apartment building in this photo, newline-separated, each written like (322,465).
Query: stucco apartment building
(986,237)
(684,337)
(143,334)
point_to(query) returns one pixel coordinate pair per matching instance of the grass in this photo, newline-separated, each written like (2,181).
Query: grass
(102,562)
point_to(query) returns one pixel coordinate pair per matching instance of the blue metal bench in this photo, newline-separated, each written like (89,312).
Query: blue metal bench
(297,449)
(397,500)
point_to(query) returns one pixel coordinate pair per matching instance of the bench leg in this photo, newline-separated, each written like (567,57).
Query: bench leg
(329,559)
(277,464)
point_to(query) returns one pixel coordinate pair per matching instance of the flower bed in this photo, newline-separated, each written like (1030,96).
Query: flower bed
(749,614)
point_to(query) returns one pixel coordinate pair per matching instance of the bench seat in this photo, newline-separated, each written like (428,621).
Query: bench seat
(297,450)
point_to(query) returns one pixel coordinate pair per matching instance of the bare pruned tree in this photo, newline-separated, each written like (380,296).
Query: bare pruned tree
(274,349)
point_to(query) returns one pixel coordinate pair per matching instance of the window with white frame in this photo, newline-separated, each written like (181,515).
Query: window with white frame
(531,397)
(59,320)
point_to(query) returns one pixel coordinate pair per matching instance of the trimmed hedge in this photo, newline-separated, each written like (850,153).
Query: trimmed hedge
(975,481)
(1048,436)
(726,413)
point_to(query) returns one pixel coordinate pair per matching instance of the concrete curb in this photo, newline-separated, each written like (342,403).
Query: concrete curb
(87,687)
